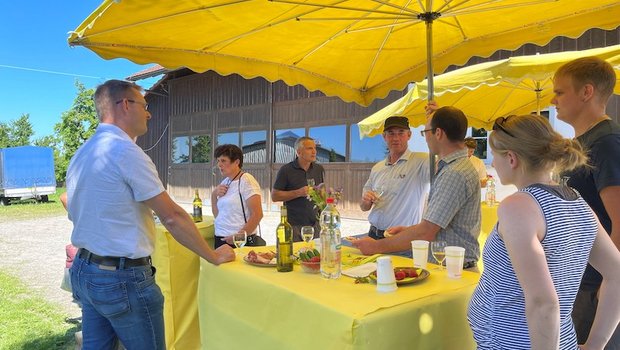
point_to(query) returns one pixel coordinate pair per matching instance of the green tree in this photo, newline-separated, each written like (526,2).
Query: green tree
(53,142)
(20,131)
(5,139)
(46,141)
(77,125)
(332,155)
(201,148)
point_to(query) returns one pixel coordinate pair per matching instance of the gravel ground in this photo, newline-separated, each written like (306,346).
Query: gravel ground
(34,250)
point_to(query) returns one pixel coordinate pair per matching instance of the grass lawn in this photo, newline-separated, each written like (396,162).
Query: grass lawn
(28,321)
(30,209)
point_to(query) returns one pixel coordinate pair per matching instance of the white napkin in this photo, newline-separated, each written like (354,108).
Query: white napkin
(360,270)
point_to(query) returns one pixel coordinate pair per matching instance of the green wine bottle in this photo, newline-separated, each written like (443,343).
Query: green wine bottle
(197,214)
(284,243)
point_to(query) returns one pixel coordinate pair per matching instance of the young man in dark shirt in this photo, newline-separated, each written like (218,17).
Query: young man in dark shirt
(582,89)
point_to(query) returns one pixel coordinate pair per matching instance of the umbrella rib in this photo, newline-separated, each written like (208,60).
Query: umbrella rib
(405,23)
(355,18)
(476,8)
(416,13)
(161,18)
(309,53)
(323,6)
(377,54)
(227,41)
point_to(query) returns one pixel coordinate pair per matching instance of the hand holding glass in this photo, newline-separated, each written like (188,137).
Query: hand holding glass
(438,249)
(307,233)
(379,191)
(240,238)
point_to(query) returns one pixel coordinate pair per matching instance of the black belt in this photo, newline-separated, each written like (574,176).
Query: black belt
(469,265)
(112,262)
(375,233)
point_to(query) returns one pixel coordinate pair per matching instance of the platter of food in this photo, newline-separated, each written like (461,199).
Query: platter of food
(405,275)
(261,259)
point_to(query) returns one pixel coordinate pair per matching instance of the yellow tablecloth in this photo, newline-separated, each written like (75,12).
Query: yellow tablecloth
(489,218)
(177,276)
(247,307)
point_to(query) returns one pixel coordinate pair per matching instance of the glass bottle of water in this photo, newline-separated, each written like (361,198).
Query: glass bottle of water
(490,193)
(330,241)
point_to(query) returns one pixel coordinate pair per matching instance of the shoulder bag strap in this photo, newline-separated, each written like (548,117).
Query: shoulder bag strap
(242,207)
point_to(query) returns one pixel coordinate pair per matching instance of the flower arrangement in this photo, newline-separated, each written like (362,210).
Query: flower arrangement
(318,195)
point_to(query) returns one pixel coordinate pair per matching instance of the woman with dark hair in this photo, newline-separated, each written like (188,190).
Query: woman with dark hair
(535,256)
(236,201)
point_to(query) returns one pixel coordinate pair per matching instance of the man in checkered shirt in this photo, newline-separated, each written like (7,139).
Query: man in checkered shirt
(453,210)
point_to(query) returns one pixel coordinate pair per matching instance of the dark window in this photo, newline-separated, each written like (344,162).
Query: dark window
(481,136)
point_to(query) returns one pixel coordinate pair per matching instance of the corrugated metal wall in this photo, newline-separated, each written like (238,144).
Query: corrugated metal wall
(211,104)
(156,142)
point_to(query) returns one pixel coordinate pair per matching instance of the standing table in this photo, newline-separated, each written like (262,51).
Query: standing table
(177,276)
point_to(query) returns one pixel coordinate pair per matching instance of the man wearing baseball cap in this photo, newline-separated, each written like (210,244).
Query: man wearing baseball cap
(397,186)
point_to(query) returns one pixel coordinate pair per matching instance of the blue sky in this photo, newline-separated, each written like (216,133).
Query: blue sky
(33,39)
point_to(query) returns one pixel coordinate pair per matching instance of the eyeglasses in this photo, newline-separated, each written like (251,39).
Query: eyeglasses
(498,125)
(145,105)
(422,132)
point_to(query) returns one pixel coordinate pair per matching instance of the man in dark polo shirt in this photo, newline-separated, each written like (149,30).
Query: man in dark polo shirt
(291,187)
(582,88)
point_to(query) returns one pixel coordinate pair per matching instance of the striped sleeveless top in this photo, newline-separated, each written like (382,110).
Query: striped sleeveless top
(497,307)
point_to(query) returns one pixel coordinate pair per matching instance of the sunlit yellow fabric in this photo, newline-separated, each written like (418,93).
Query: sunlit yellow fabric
(489,90)
(177,276)
(349,51)
(248,307)
(489,219)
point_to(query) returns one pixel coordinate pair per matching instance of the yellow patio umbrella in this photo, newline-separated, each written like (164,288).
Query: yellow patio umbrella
(486,91)
(358,50)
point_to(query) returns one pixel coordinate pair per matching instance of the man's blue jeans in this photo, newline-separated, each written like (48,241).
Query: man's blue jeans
(123,304)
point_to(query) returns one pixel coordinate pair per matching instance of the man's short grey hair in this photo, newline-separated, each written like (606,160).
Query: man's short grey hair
(111,91)
(300,142)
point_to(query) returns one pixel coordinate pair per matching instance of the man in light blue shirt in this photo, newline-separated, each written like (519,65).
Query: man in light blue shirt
(397,186)
(112,188)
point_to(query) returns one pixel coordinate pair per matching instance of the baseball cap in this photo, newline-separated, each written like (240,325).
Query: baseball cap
(398,122)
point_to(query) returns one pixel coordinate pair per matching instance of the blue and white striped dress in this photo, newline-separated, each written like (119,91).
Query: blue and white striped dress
(497,308)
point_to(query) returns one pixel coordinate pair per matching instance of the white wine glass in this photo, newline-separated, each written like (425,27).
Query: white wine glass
(307,234)
(379,191)
(240,238)
(438,249)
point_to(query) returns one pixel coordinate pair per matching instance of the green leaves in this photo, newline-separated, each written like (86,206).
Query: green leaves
(77,125)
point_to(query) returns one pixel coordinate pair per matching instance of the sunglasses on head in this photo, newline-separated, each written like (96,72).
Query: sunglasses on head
(499,125)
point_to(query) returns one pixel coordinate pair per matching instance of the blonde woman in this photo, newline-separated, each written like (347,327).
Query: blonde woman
(536,254)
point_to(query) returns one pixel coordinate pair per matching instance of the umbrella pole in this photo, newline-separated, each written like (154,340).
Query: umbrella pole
(538,91)
(429,58)
(429,17)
